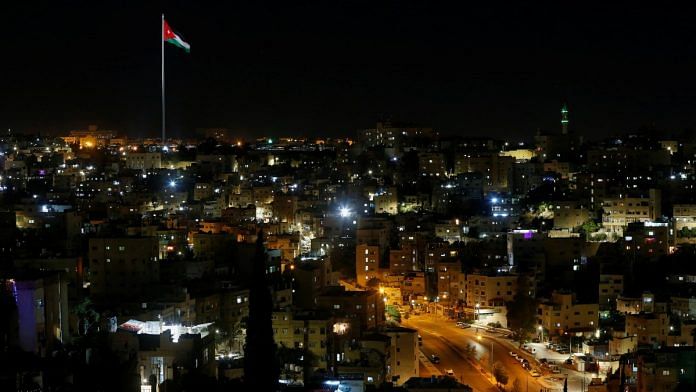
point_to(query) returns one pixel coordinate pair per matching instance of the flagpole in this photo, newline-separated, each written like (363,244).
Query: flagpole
(163,110)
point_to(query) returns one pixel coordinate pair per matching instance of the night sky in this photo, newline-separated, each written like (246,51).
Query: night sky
(331,67)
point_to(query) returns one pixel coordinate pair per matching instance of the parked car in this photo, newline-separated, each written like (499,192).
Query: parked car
(534,373)
(434,359)
(527,366)
(544,360)
(513,354)
(465,325)
(450,372)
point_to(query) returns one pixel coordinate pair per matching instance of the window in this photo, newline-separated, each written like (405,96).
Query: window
(665,372)
(337,306)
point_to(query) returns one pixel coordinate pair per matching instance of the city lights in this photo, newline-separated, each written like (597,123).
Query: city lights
(395,230)
(344,212)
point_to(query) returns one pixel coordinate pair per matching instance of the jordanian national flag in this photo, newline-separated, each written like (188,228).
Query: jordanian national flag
(170,36)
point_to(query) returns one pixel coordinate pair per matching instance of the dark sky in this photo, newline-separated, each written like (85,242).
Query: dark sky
(331,67)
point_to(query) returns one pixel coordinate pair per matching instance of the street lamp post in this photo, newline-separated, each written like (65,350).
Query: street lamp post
(541,331)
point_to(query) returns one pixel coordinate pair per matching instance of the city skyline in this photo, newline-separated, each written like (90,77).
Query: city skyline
(347,196)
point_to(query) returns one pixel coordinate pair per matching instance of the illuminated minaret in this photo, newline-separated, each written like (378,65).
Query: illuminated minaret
(564,119)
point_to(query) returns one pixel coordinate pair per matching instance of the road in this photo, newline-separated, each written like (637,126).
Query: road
(451,357)
(450,343)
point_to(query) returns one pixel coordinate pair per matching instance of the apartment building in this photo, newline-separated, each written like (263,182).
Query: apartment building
(562,313)
(489,289)
(623,209)
(367,259)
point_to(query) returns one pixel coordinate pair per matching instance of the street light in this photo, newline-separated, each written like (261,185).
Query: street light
(541,330)
(344,212)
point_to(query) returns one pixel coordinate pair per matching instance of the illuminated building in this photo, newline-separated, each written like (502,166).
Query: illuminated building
(143,160)
(43,314)
(367,260)
(624,209)
(563,314)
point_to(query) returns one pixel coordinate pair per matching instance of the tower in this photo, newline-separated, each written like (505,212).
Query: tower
(564,119)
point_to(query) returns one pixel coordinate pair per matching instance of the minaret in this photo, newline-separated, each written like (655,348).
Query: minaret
(564,119)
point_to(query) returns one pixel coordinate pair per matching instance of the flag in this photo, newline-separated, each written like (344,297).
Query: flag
(168,35)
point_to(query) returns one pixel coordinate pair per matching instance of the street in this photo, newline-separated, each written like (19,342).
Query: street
(451,357)
(449,342)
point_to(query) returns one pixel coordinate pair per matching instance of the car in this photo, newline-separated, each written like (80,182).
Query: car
(527,366)
(534,373)
(513,354)
(544,360)
(465,326)
(449,372)
(568,361)
(459,323)
(434,359)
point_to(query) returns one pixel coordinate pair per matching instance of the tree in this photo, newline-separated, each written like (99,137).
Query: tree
(86,315)
(516,386)
(521,311)
(470,351)
(589,226)
(500,374)
(261,368)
